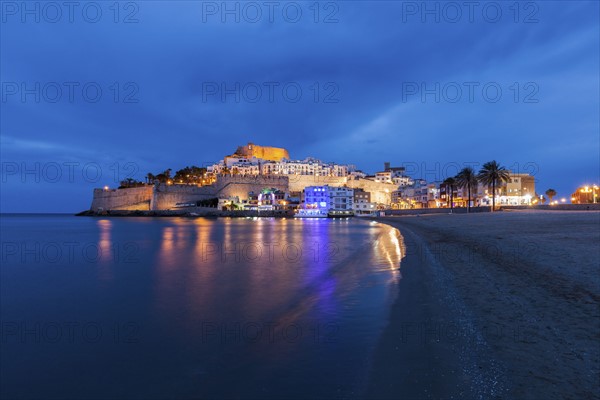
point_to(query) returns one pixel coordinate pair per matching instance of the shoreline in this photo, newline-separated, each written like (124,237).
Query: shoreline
(211,213)
(215,213)
(493,305)
(407,361)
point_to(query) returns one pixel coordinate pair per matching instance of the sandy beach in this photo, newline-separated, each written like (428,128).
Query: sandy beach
(502,305)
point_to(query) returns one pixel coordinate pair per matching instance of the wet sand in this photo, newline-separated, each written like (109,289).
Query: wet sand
(502,305)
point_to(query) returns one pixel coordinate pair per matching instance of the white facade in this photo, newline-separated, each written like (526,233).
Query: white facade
(402,181)
(255,166)
(383,177)
(308,166)
(341,198)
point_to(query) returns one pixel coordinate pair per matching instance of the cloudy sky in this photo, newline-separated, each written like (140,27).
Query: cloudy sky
(93,93)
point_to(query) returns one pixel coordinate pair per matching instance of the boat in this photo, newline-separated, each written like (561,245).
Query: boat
(310,213)
(367,214)
(340,213)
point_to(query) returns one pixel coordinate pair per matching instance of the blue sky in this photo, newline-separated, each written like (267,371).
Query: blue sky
(347,85)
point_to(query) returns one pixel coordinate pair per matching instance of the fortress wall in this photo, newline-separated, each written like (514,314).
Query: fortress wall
(264,180)
(271,153)
(137,198)
(238,185)
(264,152)
(377,189)
(166,197)
(299,182)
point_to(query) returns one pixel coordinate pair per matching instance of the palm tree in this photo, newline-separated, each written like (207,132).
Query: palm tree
(450,185)
(467,178)
(493,174)
(550,193)
(540,198)
(150,178)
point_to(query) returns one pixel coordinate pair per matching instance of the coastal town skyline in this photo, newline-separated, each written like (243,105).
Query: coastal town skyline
(256,178)
(434,172)
(94,175)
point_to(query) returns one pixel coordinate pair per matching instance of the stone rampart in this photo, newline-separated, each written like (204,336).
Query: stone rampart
(166,197)
(138,198)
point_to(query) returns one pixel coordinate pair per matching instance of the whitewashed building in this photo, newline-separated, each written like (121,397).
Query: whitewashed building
(330,199)
(256,166)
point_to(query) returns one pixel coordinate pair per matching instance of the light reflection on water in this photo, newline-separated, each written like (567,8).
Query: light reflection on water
(316,274)
(105,250)
(228,308)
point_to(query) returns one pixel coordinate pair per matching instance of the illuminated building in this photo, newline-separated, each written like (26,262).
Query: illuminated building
(412,196)
(256,166)
(519,190)
(383,177)
(394,175)
(362,203)
(308,166)
(252,150)
(328,200)
(586,195)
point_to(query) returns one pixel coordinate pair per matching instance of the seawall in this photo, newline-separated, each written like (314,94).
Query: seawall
(557,207)
(138,198)
(421,211)
(166,197)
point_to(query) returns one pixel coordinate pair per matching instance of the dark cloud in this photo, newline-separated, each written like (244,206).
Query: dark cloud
(353,75)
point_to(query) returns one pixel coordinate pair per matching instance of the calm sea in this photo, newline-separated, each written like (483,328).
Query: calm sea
(176,308)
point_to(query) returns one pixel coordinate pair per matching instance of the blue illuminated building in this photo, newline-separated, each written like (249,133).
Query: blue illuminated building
(327,200)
